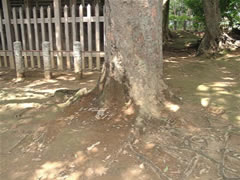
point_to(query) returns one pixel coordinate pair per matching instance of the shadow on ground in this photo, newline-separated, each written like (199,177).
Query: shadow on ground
(196,139)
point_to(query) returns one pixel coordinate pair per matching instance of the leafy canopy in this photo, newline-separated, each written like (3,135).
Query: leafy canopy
(230,10)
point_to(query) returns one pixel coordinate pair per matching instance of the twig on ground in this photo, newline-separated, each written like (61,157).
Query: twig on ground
(22,112)
(18,143)
(191,166)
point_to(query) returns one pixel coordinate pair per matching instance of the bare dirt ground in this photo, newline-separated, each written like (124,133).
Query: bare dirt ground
(195,139)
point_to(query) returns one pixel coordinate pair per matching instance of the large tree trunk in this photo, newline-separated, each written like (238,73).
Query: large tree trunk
(133,64)
(210,42)
(166,31)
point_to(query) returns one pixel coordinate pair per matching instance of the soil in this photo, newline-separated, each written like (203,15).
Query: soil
(197,138)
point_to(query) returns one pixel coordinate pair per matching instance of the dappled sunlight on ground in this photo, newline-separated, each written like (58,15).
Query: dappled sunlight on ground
(49,170)
(212,84)
(35,89)
(196,138)
(18,106)
(172,107)
(135,172)
(221,98)
(27,109)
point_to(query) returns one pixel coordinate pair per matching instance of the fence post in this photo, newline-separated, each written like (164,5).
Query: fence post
(58,29)
(89,24)
(77,59)
(6,14)
(19,60)
(46,60)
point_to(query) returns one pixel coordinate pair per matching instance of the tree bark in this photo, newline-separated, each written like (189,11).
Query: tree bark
(166,31)
(133,63)
(210,42)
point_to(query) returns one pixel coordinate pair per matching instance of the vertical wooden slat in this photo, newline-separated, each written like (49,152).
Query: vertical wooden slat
(36,36)
(67,36)
(104,33)
(97,30)
(30,40)
(1,37)
(23,35)
(73,2)
(82,35)
(50,35)
(1,60)
(89,36)
(73,10)
(83,3)
(74,23)
(57,14)
(3,41)
(6,14)
(15,24)
(42,24)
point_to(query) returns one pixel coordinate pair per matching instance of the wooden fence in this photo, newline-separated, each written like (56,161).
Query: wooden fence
(61,28)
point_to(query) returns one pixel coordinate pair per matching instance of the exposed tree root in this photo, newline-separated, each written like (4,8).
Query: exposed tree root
(116,155)
(191,166)
(223,42)
(75,97)
(66,91)
(226,42)
(222,166)
(148,162)
(200,153)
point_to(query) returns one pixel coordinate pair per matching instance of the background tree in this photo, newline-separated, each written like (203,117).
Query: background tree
(229,9)
(212,13)
(166,30)
(210,42)
(133,64)
(179,14)
(196,7)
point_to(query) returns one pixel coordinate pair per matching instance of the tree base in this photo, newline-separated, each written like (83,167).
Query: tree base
(20,76)
(213,46)
(48,75)
(78,75)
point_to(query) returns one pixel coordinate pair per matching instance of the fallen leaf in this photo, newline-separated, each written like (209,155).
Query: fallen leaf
(166,169)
